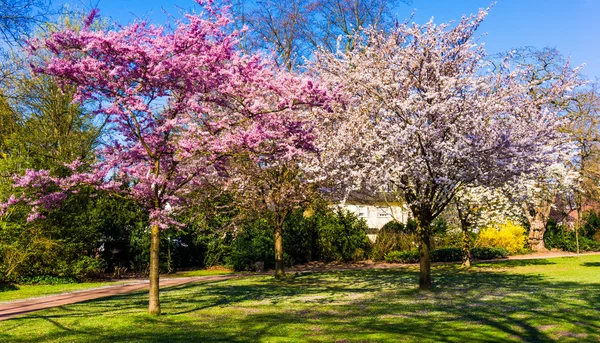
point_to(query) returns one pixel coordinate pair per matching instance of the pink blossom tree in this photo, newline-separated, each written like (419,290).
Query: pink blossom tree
(179,103)
(425,114)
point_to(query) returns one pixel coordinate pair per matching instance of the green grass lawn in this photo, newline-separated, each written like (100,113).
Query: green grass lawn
(508,301)
(18,292)
(199,272)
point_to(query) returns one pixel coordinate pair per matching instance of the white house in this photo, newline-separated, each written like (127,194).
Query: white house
(376,212)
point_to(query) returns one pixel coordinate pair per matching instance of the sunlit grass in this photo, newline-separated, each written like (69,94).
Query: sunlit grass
(199,272)
(18,292)
(508,301)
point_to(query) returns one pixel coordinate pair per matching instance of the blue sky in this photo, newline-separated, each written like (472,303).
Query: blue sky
(573,26)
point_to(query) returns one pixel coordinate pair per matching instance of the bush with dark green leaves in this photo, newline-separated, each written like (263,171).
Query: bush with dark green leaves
(328,235)
(67,243)
(253,243)
(559,237)
(591,225)
(342,236)
(399,256)
(46,280)
(446,255)
(488,253)
(394,236)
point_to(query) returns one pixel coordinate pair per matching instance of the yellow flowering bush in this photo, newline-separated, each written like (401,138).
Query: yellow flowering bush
(510,236)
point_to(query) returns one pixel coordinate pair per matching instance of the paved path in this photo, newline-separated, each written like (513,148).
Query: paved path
(17,308)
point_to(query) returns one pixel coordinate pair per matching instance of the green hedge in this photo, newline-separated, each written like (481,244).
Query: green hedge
(446,255)
(327,235)
(558,237)
(397,256)
(488,253)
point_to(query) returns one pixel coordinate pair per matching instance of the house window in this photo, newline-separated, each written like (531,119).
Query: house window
(383,212)
(361,211)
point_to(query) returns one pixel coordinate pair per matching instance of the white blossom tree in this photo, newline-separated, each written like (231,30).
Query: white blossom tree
(538,195)
(421,110)
(478,207)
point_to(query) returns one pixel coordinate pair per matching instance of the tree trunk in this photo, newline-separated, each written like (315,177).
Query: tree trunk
(464,226)
(279,269)
(536,234)
(466,247)
(423,228)
(154,302)
(578,221)
(538,217)
(424,262)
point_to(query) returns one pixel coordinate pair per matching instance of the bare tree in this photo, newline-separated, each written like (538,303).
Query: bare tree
(546,68)
(292,29)
(584,115)
(17,18)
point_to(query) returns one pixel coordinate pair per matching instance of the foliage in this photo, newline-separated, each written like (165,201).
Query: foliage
(590,225)
(41,128)
(58,246)
(446,255)
(342,236)
(398,227)
(510,236)
(451,239)
(488,253)
(327,235)
(402,256)
(412,256)
(253,243)
(272,188)
(394,236)
(46,280)
(559,237)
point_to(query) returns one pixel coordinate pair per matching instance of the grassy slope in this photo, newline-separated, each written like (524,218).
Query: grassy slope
(511,301)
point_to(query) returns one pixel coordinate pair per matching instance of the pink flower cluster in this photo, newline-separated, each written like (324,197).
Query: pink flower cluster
(178,103)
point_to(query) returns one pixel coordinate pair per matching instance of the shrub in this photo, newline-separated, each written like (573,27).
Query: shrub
(450,239)
(87,267)
(509,236)
(327,235)
(558,237)
(397,256)
(253,243)
(342,236)
(446,255)
(488,253)
(46,280)
(393,236)
(299,238)
(590,227)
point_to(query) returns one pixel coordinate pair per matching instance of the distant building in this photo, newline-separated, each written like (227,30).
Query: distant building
(375,210)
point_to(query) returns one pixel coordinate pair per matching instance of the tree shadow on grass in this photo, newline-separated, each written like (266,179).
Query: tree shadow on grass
(357,305)
(591,264)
